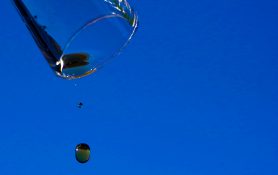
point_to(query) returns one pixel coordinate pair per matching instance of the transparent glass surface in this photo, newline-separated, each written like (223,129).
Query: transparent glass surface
(77,37)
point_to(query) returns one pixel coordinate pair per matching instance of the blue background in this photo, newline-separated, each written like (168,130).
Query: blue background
(195,93)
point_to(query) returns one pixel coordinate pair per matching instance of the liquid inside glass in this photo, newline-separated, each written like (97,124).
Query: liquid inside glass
(89,46)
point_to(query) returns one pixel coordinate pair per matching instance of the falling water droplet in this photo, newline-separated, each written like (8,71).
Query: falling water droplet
(82,153)
(80,105)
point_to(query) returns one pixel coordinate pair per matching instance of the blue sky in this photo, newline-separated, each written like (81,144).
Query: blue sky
(195,93)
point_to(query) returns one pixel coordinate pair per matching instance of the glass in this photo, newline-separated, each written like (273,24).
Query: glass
(77,37)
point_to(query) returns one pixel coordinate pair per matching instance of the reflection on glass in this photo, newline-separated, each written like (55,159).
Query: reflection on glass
(77,37)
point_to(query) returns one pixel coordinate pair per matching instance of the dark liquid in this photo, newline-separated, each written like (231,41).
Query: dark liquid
(76,62)
(82,153)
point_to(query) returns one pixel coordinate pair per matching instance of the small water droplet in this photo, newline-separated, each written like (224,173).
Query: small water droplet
(80,105)
(82,153)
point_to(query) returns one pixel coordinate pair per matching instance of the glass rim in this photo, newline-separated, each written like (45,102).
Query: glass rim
(134,27)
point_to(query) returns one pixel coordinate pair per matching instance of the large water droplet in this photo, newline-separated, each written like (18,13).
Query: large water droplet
(82,153)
